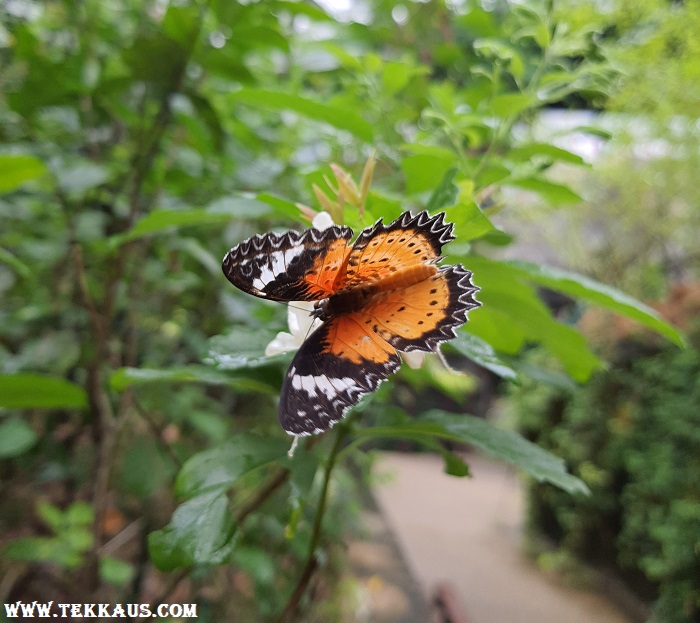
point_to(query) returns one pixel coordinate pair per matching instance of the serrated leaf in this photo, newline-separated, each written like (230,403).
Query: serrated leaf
(28,391)
(341,119)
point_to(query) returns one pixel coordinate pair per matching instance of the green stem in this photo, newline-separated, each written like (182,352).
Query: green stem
(311,559)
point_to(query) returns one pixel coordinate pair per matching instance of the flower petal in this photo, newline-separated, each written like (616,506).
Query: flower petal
(322,221)
(414,359)
(283,343)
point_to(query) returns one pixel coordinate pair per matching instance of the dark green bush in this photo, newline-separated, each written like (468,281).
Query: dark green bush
(633,435)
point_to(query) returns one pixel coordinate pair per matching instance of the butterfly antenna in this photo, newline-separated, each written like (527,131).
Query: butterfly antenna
(448,367)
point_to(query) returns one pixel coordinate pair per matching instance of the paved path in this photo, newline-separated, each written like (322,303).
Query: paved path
(466,531)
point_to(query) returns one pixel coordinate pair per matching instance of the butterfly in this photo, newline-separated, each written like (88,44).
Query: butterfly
(382,294)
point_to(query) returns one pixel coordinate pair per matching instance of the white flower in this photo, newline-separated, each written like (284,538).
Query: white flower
(414,359)
(301,323)
(322,221)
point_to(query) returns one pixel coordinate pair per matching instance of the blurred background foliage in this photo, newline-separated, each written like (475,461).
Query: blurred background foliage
(140,140)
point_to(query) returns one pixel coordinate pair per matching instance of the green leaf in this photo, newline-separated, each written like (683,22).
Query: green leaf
(549,377)
(606,296)
(28,391)
(470,222)
(546,151)
(511,306)
(155,58)
(160,221)
(16,170)
(115,571)
(16,437)
(505,445)
(497,329)
(482,353)
(37,548)
(396,76)
(551,191)
(422,170)
(219,468)
(81,177)
(282,206)
(181,24)
(257,563)
(129,377)
(511,104)
(209,116)
(239,207)
(199,533)
(239,348)
(10,260)
(445,193)
(339,118)
(51,515)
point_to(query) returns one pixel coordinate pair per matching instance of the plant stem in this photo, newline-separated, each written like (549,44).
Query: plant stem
(312,561)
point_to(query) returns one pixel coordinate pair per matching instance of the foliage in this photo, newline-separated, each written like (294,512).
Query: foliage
(639,220)
(632,435)
(141,140)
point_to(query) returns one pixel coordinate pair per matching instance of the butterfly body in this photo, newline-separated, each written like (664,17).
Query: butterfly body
(381,295)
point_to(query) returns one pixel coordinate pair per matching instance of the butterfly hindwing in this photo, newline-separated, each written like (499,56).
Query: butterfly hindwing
(421,316)
(289,267)
(337,364)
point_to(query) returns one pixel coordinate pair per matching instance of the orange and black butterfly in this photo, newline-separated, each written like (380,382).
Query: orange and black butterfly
(382,294)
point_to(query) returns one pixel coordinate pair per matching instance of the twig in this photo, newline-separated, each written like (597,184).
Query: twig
(173,581)
(278,478)
(124,536)
(86,298)
(312,561)
(156,430)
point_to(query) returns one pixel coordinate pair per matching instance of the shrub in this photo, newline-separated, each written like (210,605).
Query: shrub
(633,435)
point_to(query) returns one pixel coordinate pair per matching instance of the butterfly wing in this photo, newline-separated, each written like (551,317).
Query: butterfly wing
(421,316)
(289,267)
(337,364)
(409,241)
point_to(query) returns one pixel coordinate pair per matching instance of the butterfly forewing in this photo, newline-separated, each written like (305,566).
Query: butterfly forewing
(289,267)
(409,241)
